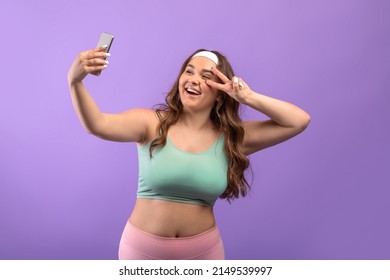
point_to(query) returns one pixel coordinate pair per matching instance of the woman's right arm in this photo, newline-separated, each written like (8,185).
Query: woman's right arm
(130,126)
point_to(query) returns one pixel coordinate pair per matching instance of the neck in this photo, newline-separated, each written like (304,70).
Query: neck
(196,121)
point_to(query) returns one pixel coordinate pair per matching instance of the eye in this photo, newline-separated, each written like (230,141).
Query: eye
(188,71)
(206,77)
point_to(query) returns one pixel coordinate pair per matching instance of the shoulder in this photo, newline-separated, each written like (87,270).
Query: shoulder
(152,119)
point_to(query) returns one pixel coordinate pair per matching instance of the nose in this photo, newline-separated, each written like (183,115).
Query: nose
(193,81)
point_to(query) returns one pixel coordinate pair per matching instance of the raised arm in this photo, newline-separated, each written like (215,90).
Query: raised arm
(285,119)
(130,126)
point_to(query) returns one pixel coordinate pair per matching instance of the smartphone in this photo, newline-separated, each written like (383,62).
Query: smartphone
(105,39)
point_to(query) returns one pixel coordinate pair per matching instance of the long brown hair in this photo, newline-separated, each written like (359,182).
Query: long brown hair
(225,117)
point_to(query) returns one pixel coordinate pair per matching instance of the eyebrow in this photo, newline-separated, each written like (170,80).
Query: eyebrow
(203,70)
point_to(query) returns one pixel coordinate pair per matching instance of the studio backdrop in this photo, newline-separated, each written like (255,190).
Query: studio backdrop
(65,194)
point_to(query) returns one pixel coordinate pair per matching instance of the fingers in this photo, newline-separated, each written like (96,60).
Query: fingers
(92,69)
(227,84)
(96,53)
(238,83)
(95,70)
(216,85)
(94,65)
(96,62)
(100,49)
(93,60)
(226,79)
(234,85)
(90,61)
(220,75)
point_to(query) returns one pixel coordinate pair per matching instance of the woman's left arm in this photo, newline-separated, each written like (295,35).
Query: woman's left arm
(285,119)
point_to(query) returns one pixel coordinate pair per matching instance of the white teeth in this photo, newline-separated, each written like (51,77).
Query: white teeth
(193,91)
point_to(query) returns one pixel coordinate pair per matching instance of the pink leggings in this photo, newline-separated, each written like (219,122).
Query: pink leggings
(136,244)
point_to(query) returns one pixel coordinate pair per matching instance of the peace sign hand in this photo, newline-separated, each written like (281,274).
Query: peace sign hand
(236,87)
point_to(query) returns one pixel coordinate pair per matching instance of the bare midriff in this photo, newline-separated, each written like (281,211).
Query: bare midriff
(171,219)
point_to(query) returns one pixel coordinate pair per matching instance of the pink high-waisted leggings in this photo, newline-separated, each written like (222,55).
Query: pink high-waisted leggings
(136,244)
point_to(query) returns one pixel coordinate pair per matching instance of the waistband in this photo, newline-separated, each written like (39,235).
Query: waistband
(159,247)
(199,236)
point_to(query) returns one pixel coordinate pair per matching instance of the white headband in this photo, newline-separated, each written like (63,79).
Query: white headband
(209,55)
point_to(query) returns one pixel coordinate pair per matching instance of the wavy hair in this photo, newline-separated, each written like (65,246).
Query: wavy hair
(224,115)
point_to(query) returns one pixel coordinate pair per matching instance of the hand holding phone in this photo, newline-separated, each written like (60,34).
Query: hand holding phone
(105,39)
(91,61)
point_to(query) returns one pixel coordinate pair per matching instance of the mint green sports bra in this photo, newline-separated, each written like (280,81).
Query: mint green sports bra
(176,175)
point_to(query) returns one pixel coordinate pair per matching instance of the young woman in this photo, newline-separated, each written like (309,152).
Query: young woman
(192,150)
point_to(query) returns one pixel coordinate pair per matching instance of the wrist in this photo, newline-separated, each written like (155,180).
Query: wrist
(73,82)
(248,98)
(74,78)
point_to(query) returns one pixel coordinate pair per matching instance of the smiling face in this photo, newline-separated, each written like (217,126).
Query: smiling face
(195,94)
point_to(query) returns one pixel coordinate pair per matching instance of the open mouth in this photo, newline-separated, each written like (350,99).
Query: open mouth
(192,91)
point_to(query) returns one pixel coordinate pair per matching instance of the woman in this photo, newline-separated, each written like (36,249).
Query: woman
(191,151)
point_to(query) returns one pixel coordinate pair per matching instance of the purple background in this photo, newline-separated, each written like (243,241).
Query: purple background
(323,195)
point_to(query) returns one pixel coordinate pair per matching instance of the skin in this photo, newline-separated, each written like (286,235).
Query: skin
(193,133)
